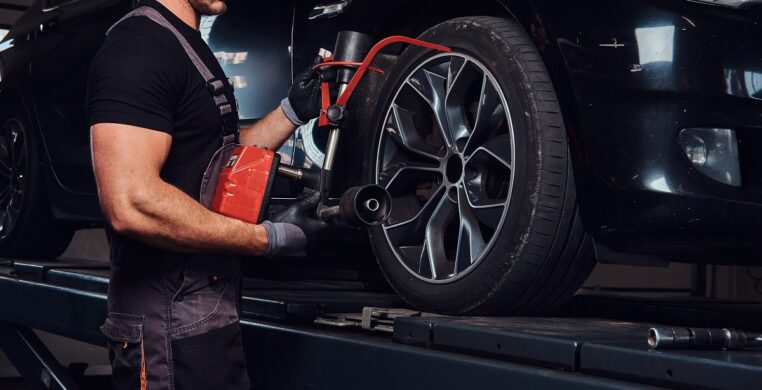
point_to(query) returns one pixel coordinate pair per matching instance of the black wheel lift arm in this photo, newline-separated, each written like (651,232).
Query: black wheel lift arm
(33,360)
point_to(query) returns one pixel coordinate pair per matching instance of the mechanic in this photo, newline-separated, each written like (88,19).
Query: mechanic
(156,123)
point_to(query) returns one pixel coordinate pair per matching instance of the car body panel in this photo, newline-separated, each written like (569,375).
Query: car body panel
(65,37)
(655,68)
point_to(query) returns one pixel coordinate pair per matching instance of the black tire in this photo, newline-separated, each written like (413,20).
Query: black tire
(540,253)
(27,229)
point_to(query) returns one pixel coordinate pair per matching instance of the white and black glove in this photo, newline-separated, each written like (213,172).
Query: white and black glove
(304,99)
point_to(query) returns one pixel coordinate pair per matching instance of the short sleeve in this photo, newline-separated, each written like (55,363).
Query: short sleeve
(133,81)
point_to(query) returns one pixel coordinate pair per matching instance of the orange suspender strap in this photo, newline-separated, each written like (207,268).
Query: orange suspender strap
(143,376)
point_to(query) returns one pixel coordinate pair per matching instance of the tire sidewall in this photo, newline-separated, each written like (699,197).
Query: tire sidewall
(479,41)
(30,190)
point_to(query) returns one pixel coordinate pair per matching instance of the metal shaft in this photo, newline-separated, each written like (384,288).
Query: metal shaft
(702,338)
(330,157)
(292,172)
(738,339)
(333,141)
(326,213)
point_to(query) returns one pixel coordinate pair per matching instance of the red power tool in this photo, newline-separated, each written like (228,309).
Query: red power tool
(243,189)
(245,182)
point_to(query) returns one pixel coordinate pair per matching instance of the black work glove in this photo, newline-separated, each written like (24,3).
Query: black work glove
(305,97)
(293,228)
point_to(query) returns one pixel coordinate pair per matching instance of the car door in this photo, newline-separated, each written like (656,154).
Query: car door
(69,34)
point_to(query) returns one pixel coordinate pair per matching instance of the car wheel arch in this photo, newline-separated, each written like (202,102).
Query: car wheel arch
(12,99)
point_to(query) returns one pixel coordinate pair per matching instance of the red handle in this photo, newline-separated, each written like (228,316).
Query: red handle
(364,66)
(344,98)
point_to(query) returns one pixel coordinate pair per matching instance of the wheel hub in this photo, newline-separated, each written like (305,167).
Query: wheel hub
(454,169)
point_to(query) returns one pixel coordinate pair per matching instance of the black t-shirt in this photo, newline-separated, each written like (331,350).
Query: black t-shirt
(143,77)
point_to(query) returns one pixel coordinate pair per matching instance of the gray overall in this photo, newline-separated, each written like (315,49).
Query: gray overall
(175,324)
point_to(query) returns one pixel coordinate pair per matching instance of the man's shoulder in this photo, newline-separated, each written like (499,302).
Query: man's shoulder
(141,36)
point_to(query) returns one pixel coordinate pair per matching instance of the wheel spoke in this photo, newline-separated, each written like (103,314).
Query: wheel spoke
(456,66)
(491,214)
(457,116)
(12,148)
(498,149)
(489,116)
(470,239)
(432,87)
(391,174)
(17,149)
(15,198)
(434,246)
(9,218)
(4,167)
(489,210)
(401,127)
(412,231)
(5,193)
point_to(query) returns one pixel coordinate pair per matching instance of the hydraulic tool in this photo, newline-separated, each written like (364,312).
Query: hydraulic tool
(243,190)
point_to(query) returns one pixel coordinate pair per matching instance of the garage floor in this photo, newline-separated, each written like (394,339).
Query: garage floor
(722,282)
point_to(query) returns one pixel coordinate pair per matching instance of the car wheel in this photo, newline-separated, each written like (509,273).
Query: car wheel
(26,227)
(472,147)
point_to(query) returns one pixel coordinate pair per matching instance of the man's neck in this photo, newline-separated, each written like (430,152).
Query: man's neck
(183,10)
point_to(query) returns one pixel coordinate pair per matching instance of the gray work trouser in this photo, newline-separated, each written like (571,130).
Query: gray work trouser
(174,324)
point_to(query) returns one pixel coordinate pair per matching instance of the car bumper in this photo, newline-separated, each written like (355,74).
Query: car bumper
(661,68)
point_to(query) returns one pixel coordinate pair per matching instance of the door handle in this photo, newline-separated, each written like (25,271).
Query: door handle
(329,10)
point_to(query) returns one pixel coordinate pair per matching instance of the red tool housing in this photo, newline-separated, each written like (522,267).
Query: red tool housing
(246,180)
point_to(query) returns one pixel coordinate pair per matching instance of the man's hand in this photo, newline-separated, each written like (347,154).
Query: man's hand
(304,98)
(292,229)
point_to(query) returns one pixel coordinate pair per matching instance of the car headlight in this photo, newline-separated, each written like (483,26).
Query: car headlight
(730,3)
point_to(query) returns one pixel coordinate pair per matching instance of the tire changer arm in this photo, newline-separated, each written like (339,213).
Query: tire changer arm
(368,205)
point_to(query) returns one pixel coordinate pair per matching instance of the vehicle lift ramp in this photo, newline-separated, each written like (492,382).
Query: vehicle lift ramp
(310,333)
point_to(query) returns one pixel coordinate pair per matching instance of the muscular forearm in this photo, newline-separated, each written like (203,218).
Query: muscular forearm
(270,131)
(165,217)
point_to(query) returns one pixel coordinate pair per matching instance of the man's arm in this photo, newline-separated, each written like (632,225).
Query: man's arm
(302,105)
(138,203)
(270,131)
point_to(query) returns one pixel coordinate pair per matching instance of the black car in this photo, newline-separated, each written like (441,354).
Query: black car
(555,133)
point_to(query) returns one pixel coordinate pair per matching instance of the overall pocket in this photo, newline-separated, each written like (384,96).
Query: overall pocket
(126,352)
(206,300)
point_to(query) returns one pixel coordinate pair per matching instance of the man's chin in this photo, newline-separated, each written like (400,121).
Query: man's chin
(220,9)
(216,8)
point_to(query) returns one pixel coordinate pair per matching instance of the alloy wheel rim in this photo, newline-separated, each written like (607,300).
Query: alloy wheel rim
(446,155)
(12,173)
